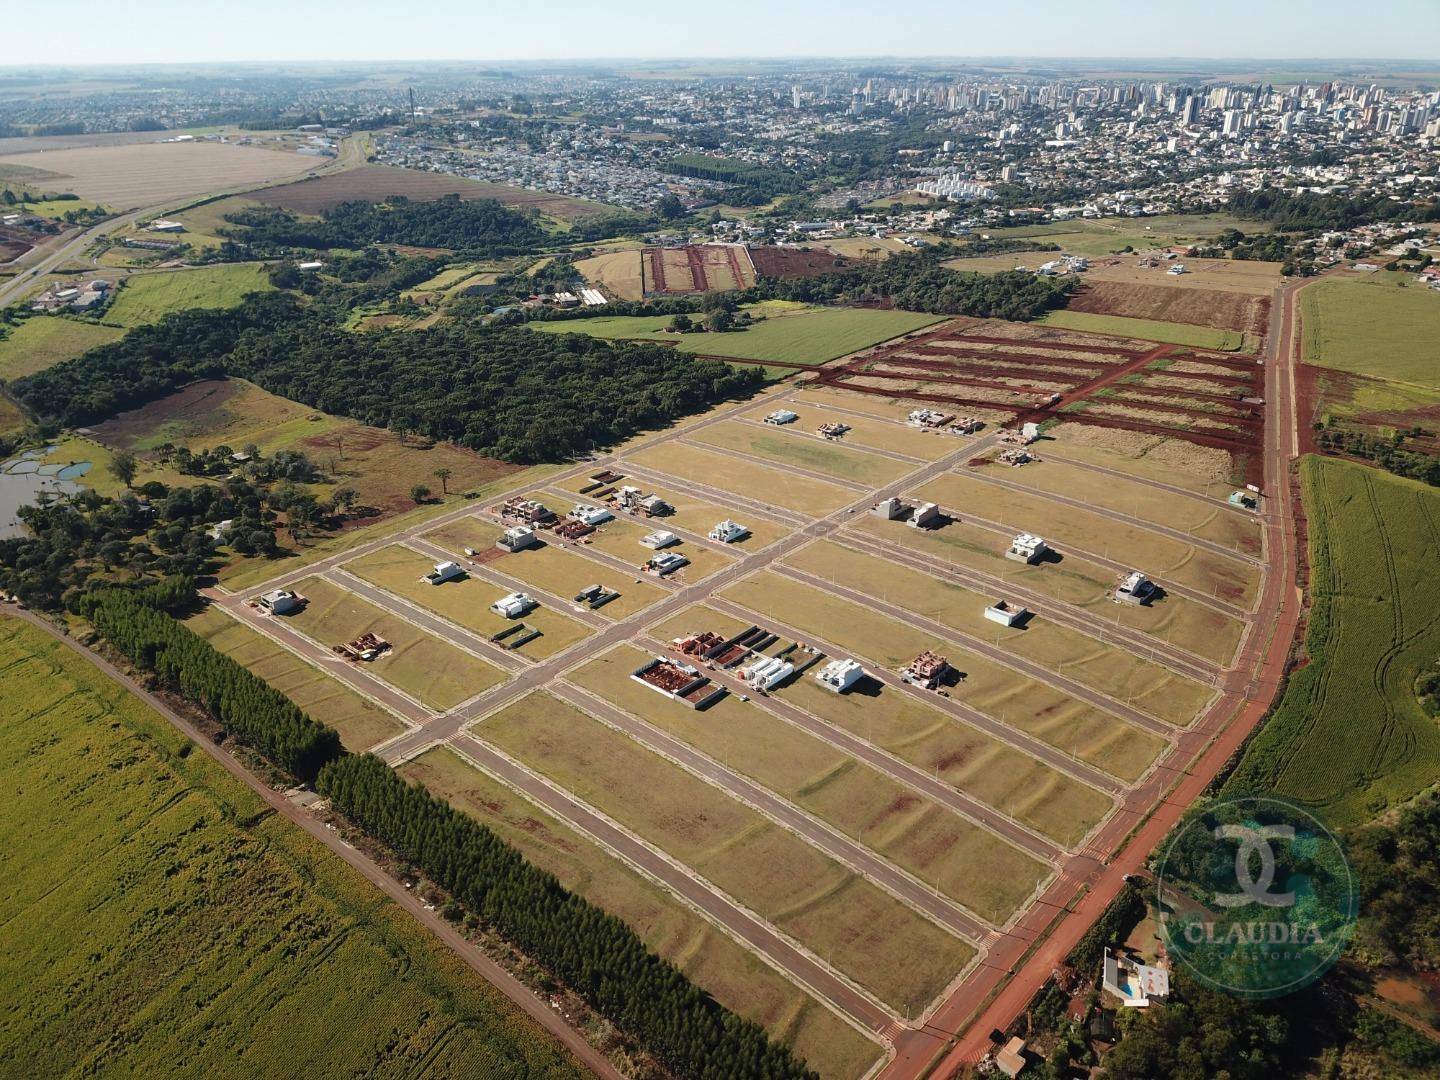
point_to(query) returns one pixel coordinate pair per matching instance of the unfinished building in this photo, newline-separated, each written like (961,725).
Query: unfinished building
(929,671)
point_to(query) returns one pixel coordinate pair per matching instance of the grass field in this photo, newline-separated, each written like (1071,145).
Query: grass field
(158,921)
(618,272)
(1199,337)
(146,298)
(466,601)
(785,446)
(965,862)
(1373,326)
(1075,580)
(435,673)
(1151,553)
(788,333)
(1110,669)
(1204,469)
(902,958)
(11,418)
(1101,236)
(865,432)
(712,960)
(361,723)
(773,485)
(44,341)
(1349,736)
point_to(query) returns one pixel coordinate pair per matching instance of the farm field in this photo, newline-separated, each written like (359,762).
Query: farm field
(143,174)
(788,333)
(375,183)
(44,341)
(1110,669)
(146,298)
(773,485)
(1372,327)
(184,905)
(1161,556)
(899,956)
(696,268)
(465,601)
(435,673)
(550,567)
(617,272)
(965,862)
(1181,622)
(361,723)
(1231,310)
(1200,337)
(1209,520)
(1349,737)
(713,961)
(784,446)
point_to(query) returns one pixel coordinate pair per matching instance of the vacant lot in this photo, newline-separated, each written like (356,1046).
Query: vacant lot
(361,723)
(44,341)
(193,933)
(1373,327)
(1350,736)
(375,183)
(143,174)
(713,961)
(788,333)
(617,272)
(1203,469)
(813,498)
(146,298)
(1202,337)
(899,956)
(789,446)
(1101,236)
(1220,309)
(435,673)
(965,862)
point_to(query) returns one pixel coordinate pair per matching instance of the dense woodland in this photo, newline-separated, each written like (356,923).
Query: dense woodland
(1309,211)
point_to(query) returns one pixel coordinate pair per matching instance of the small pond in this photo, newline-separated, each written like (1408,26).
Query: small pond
(25,477)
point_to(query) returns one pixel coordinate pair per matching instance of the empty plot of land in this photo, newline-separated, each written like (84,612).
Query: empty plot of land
(44,341)
(146,298)
(962,860)
(786,446)
(361,723)
(1227,579)
(375,183)
(712,960)
(1202,337)
(465,601)
(1206,519)
(1182,622)
(439,675)
(802,494)
(617,272)
(142,174)
(1373,327)
(1221,309)
(899,956)
(1110,669)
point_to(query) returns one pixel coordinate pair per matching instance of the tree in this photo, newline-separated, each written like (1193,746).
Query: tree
(443,474)
(670,208)
(123,466)
(719,320)
(419,493)
(681,324)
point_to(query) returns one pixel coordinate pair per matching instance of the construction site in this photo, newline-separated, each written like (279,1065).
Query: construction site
(931,629)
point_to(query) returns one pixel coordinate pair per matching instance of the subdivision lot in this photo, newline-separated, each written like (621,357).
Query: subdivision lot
(361,723)
(802,494)
(1052,804)
(785,447)
(552,566)
(1209,520)
(692,513)
(731,974)
(866,432)
(1160,556)
(1204,469)
(141,174)
(1221,309)
(439,675)
(965,862)
(44,341)
(621,538)
(152,905)
(902,958)
(1203,337)
(1180,621)
(146,298)
(465,602)
(1111,669)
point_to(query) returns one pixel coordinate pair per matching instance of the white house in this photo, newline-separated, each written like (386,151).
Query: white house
(444,571)
(727,532)
(280,602)
(1005,613)
(767,672)
(782,416)
(1027,548)
(659,539)
(1134,588)
(1134,984)
(590,515)
(517,538)
(839,675)
(513,605)
(667,562)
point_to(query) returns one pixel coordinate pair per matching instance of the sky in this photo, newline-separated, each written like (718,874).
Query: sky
(169,31)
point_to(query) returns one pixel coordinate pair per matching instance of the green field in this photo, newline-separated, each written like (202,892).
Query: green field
(1349,736)
(56,208)
(788,333)
(1373,327)
(1199,337)
(157,920)
(1101,236)
(146,298)
(42,341)
(711,959)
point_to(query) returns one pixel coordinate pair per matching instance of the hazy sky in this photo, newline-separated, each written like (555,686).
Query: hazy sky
(203,30)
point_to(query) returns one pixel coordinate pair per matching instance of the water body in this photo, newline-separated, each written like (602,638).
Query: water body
(23,479)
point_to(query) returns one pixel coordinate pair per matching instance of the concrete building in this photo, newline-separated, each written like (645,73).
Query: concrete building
(767,672)
(667,562)
(889,509)
(839,675)
(1134,588)
(925,516)
(659,539)
(782,416)
(1134,984)
(444,571)
(280,602)
(1027,548)
(728,532)
(590,515)
(517,538)
(1006,613)
(514,605)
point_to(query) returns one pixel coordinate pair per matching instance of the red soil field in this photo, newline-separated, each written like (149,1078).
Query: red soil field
(1198,307)
(786,262)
